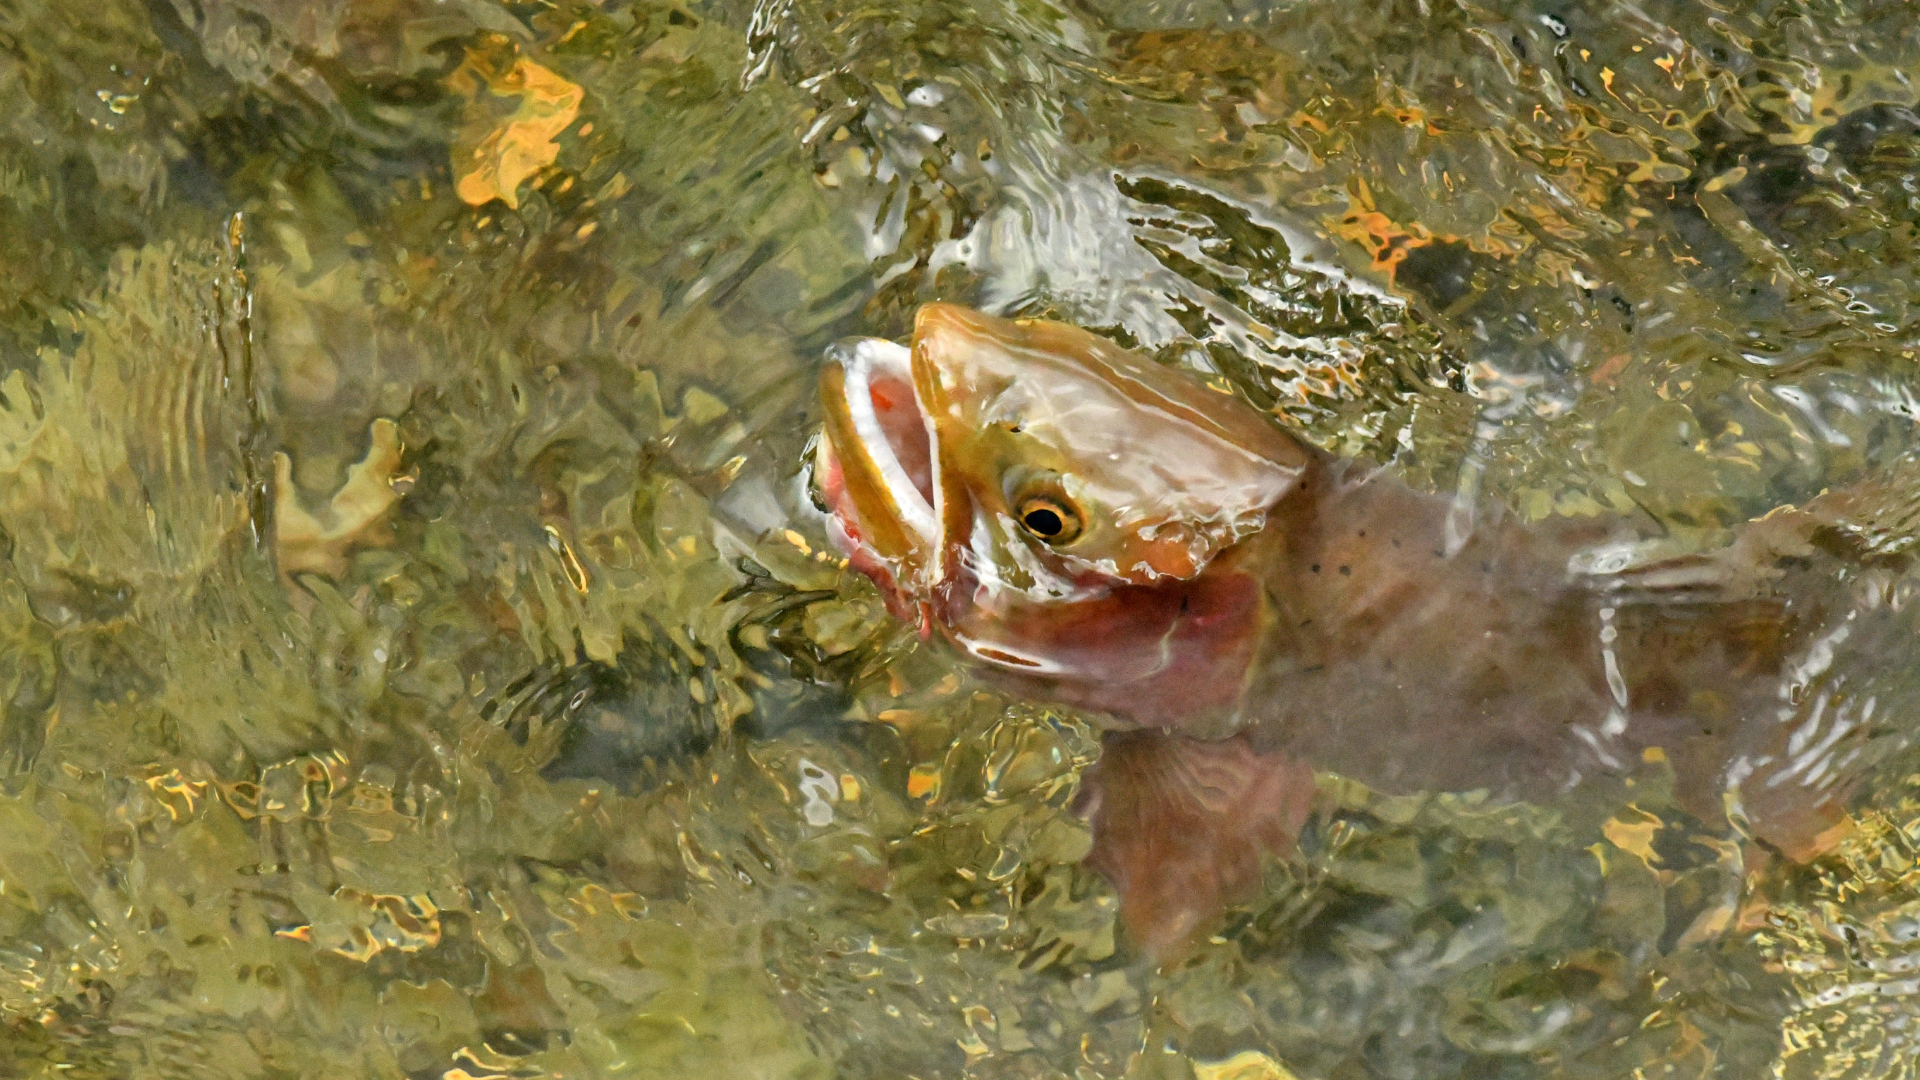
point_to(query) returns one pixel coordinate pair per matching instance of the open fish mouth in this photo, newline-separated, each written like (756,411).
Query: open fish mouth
(877,468)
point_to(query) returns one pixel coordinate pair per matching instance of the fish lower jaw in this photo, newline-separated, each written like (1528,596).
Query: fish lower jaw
(890,444)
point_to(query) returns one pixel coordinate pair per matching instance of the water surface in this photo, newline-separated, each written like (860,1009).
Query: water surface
(418,657)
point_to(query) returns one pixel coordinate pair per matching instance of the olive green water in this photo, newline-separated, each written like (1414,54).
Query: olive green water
(417,658)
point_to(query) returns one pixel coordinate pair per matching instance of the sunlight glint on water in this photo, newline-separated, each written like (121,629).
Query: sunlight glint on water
(419,656)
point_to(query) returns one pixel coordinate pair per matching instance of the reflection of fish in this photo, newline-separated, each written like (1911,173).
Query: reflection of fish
(1113,535)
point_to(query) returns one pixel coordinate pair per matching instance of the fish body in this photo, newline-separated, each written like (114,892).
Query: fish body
(1105,532)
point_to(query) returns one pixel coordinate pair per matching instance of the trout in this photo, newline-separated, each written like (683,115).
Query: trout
(1240,609)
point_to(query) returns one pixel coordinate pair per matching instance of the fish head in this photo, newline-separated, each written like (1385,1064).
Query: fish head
(1058,506)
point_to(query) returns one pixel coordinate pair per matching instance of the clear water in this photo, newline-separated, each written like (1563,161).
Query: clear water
(416,659)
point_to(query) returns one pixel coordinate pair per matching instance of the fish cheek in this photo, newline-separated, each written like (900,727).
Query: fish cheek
(1170,556)
(1170,656)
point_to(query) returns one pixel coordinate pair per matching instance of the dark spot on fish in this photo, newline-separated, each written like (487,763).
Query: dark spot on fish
(1346,571)
(1316,568)
(1363,532)
(1185,603)
(1314,668)
(1396,543)
(1486,567)
(1304,623)
(1438,554)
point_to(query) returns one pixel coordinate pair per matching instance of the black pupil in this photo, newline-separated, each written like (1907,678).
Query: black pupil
(1043,521)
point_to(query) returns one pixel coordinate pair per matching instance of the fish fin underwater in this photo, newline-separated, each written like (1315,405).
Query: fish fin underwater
(1181,828)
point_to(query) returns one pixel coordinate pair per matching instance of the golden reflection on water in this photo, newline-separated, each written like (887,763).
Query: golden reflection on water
(1848,932)
(417,658)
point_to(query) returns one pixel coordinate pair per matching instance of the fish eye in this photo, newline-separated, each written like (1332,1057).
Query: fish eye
(1051,518)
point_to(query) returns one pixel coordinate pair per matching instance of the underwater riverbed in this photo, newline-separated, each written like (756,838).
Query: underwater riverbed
(420,657)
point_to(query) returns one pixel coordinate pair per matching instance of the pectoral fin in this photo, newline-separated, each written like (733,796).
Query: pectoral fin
(1802,824)
(1180,827)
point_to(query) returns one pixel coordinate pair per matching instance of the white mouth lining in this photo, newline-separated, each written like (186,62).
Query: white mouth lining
(859,361)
